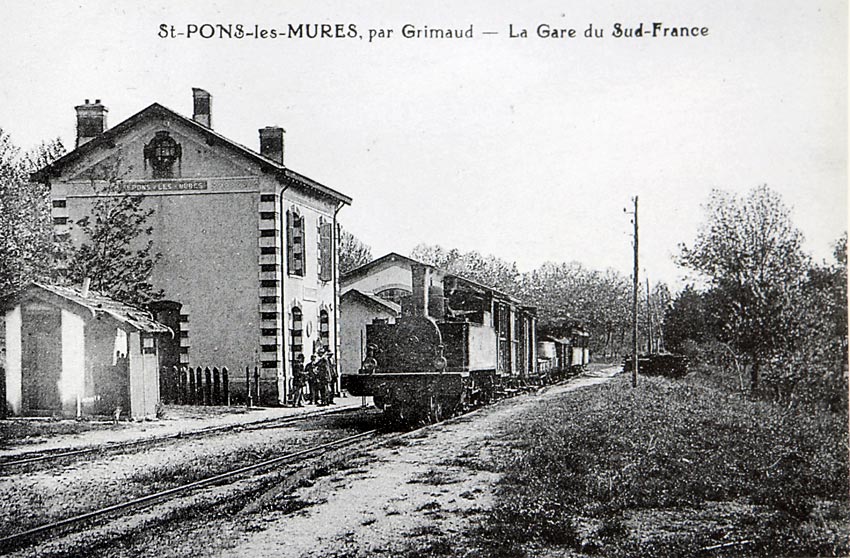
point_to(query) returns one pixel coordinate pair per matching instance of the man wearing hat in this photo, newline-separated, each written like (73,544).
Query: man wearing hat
(325,377)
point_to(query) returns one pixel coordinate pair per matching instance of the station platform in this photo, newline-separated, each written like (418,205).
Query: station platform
(25,435)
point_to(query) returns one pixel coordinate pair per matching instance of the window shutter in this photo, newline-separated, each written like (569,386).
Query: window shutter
(290,245)
(326,251)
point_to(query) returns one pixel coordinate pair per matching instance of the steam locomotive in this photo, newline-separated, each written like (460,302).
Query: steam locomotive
(456,342)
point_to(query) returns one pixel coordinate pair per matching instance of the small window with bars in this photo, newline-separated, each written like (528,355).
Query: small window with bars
(163,154)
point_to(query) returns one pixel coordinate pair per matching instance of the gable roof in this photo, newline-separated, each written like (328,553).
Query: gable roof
(96,304)
(107,138)
(365,269)
(369,299)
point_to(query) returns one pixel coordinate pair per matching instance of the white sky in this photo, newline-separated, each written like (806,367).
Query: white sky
(526,149)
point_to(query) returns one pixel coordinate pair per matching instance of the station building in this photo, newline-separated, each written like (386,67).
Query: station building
(248,262)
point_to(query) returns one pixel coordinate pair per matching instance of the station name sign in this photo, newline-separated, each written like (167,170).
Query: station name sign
(161,186)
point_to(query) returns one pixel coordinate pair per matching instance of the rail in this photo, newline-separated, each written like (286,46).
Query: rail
(17,540)
(36,457)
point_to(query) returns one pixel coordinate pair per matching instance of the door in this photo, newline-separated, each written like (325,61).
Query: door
(41,359)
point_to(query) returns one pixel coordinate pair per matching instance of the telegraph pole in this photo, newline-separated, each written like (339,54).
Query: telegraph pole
(635,303)
(648,313)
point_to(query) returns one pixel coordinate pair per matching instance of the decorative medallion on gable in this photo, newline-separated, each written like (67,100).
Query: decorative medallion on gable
(162,156)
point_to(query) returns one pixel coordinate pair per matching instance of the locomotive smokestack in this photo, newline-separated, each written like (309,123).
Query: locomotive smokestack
(419,297)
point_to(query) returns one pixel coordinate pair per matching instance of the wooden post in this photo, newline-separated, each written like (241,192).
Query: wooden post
(199,386)
(184,373)
(635,303)
(216,386)
(207,386)
(649,315)
(225,385)
(257,383)
(179,393)
(2,392)
(192,391)
(248,398)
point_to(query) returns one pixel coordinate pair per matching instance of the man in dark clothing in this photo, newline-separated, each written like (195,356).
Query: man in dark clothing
(311,374)
(298,381)
(326,377)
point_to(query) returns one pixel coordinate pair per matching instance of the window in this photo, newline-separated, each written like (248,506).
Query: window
(162,153)
(324,329)
(325,263)
(296,344)
(394,295)
(295,243)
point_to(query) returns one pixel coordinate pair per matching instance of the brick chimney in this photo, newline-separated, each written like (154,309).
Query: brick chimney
(91,121)
(271,143)
(202,107)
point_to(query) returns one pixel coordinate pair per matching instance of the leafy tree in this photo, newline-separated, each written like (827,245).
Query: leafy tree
(117,254)
(751,253)
(487,270)
(814,365)
(28,246)
(352,252)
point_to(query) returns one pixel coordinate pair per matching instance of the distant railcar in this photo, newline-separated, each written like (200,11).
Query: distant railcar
(561,356)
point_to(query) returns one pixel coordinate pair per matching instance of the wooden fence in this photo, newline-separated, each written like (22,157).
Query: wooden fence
(185,385)
(195,386)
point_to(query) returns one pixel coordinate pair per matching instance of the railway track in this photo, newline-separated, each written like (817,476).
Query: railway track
(74,524)
(62,453)
(48,532)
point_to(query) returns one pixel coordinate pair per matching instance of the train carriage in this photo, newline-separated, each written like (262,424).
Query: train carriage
(562,352)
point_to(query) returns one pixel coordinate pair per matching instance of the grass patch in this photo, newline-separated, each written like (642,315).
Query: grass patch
(435,477)
(605,469)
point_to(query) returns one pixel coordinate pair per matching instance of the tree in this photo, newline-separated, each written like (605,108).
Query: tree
(751,253)
(28,246)
(488,270)
(117,254)
(814,366)
(352,252)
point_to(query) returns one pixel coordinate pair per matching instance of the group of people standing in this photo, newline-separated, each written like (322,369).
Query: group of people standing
(318,376)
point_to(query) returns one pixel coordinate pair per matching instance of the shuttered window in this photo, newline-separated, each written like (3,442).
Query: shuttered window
(296,330)
(324,329)
(325,231)
(295,243)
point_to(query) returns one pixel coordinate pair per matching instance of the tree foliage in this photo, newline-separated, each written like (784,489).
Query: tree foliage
(767,306)
(750,251)
(117,253)
(28,246)
(487,270)
(564,294)
(352,252)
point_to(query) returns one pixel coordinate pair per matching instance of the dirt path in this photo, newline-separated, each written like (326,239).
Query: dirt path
(414,496)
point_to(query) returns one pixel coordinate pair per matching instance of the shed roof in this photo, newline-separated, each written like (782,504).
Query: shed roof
(370,299)
(95,304)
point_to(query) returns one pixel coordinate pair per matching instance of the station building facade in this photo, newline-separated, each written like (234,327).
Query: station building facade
(248,262)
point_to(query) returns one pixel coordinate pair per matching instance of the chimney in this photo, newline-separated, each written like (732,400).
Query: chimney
(271,143)
(421,281)
(91,121)
(202,107)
